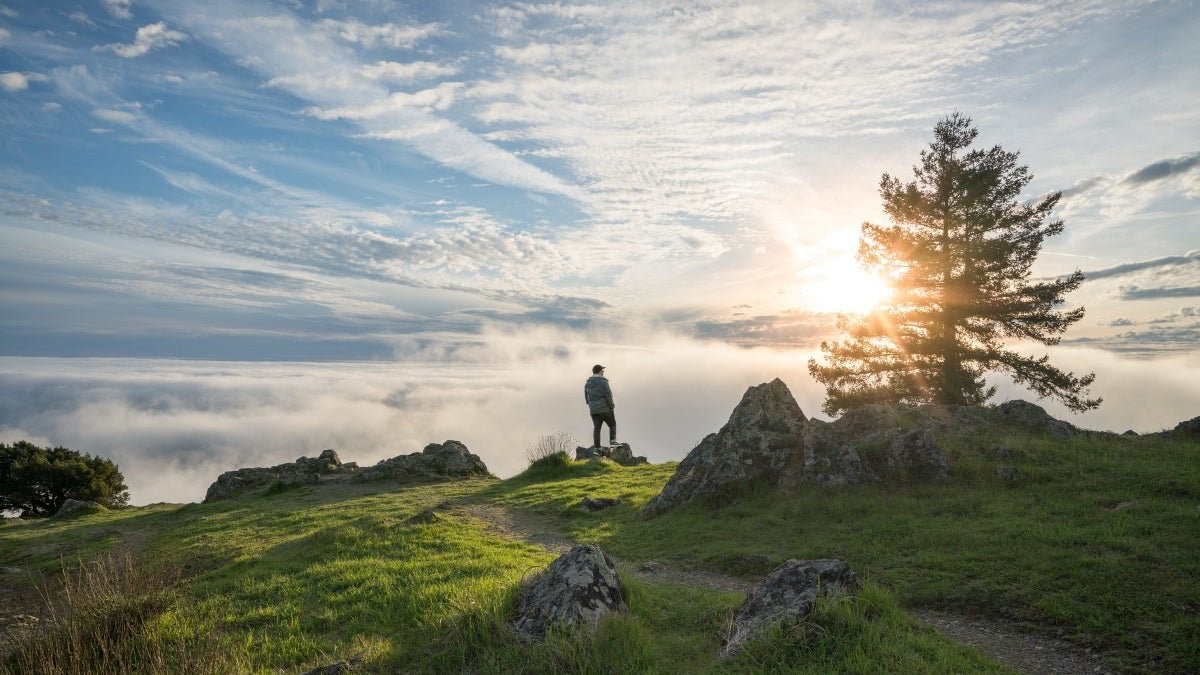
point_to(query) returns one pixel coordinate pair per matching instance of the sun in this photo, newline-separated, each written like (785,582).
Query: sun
(844,286)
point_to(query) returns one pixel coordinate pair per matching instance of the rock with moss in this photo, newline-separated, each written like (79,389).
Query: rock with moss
(75,507)
(1032,417)
(787,596)
(865,445)
(1187,429)
(303,471)
(768,442)
(438,461)
(575,591)
(763,433)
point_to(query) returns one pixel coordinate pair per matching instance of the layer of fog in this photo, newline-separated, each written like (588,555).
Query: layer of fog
(174,426)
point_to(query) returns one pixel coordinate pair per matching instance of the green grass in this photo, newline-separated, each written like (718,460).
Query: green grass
(304,577)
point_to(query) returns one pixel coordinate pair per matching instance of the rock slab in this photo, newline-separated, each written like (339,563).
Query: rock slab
(787,595)
(620,453)
(437,461)
(304,470)
(576,590)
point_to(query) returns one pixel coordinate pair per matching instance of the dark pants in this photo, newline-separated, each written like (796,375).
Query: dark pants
(609,418)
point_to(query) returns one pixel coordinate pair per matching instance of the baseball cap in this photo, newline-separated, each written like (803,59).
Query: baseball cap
(597,368)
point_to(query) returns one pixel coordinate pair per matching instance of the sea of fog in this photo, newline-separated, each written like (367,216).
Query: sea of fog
(173,426)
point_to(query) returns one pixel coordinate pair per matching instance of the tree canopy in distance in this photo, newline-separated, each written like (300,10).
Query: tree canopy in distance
(958,255)
(36,480)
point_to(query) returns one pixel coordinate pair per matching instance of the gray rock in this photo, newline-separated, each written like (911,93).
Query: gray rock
(438,461)
(769,442)
(764,432)
(786,595)
(424,517)
(1033,417)
(303,471)
(589,504)
(576,590)
(1188,428)
(620,453)
(337,667)
(1008,474)
(78,507)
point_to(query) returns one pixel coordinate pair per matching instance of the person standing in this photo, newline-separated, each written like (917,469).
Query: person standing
(599,398)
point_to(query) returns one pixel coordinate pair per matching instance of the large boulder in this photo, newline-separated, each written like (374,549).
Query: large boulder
(765,430)
(76,507)
(1032,417)
(576,590)
(865,445)
(437,461)
(786,596)
(769,442)
(303,471)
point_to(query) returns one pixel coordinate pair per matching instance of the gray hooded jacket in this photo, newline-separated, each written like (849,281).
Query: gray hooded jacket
(598,395)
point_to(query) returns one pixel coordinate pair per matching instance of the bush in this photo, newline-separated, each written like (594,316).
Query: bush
(36,481)
(550,449)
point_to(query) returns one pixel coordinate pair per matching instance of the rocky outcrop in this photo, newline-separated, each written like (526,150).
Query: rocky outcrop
(769,442)
(438,461)
(620,453)
(764,432)
(1033,418)
(1187,429)
(865,445)
(786,595)
(75,507)
(576,590)
(303,471)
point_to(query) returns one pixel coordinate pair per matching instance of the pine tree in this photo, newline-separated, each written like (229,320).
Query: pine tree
(958,254)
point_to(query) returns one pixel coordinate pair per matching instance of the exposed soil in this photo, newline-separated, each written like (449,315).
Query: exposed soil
(1010,643)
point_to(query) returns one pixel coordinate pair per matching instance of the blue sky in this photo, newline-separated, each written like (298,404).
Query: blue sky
(542,186)
(248,180)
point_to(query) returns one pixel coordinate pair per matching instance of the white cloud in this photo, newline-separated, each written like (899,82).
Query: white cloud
(391,71)
(437,98)
(305,60)
(115,116)
(174,426)
(381,35)
(15,81)
(4,35)
(148,37)
(119,8)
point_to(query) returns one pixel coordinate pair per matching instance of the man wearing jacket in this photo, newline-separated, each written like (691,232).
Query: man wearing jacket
(599,399)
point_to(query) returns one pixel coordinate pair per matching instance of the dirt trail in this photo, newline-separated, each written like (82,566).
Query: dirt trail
(1006,642)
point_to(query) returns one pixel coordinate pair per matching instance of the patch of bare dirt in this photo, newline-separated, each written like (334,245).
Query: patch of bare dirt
(1023,651)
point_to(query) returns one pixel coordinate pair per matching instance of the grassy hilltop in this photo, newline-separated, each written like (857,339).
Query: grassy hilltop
(1097,540)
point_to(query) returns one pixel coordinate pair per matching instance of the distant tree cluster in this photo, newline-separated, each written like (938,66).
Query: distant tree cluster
(958,255)
(35,481)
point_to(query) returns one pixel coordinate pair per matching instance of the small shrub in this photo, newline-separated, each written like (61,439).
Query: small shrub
(551,449)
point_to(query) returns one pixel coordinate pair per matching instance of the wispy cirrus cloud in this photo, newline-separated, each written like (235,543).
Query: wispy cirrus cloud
(149,37)
(306,60)
(121,9)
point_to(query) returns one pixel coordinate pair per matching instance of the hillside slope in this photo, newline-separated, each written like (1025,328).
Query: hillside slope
(1092,539)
